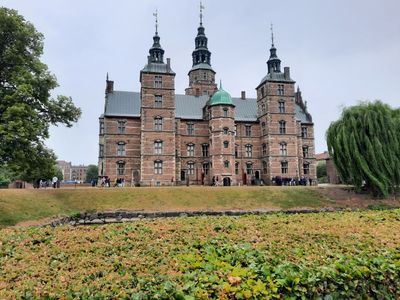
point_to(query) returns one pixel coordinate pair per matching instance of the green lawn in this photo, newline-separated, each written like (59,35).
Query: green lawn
(346,255)
(23,205)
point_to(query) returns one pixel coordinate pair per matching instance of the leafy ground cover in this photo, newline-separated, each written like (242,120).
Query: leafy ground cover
(22,205)
(347,255)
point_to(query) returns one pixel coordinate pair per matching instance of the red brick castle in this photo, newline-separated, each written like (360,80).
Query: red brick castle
(158,137)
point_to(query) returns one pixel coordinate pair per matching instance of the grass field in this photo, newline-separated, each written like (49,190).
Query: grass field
(22,205)
(352,255)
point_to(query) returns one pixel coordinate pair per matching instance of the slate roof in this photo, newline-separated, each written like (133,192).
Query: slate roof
(202,66)
(275,76)
(157,68)
(127,104)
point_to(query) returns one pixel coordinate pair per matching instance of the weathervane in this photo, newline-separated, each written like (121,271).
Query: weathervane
(201,13)
(272,34)
(156,16)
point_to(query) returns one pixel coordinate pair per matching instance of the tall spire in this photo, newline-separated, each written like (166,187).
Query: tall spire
(156,51)
(274,63)
(201,13)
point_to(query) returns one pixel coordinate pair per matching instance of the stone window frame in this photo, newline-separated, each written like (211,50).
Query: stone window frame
(121,150)
(121,126)
(282,106)
(236,150)
(284,167)
(265,166)
(264,149)
(101,150)
(120,167)
(263,128)
(236,168)
(248,130)
(190,128)
(158,82)
(206,167)
(262,91)
(158,101)
(102,127)
(190,167)
(304,131)
(281,89)
(306,168)
(226,164)
(282,127)
(158,147)
(190,149)
(205,149)
(283,149)
(249,168)
(249,150)
(226,144)
(158,167)
(225,112)
(158,123)
(225,130)
(306,151)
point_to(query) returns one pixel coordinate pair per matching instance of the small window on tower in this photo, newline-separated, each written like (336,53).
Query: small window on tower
(225,112)
(158,81)
(158,101)
(262,91)
(226,144)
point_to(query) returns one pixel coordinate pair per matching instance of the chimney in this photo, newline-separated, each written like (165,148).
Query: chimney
(286,71)
(243,97)
(109,86)
(168,64)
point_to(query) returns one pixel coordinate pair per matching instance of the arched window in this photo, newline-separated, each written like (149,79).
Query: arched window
(282,127)
(158,123)
(283,149)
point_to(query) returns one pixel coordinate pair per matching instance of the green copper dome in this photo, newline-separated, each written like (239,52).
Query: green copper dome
(221,97)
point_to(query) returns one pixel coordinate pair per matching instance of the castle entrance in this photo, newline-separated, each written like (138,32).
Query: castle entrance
(227,181)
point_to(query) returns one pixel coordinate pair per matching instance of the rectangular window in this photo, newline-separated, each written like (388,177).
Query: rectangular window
(263,127)
(121,127)
(265,167)
(121,149)
(204,149)
(158,123)
(237,168)
(101,127)
(236,151)
(283,149)
(282,127)
(264,149)
(304,132)
(158,81)
(101,150)
(306,168)
(121,168)
(190,128)
(249,168)
(190,150)
(190,169)
(262,91)
(249,150)
(158,166)
(281,89)
(225,112)
(158,147)
(158,101)
(284,167)
(205,168)
(305,152)
(282,108)
(226,164)
(248,131)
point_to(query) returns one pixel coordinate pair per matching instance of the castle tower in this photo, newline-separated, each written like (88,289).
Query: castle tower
(276,114)
(201,76)
(157,118)
(222,137)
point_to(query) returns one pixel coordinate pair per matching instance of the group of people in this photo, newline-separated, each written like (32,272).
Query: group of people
(290,181)
(43,183)
(106,182)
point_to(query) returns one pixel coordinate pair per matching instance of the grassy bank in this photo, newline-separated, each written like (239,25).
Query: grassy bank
(22,205)
(327,256)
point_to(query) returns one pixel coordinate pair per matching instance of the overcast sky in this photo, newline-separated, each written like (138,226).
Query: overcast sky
(339,52)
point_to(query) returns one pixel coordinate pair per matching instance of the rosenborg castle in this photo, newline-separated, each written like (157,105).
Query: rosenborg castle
(205,136)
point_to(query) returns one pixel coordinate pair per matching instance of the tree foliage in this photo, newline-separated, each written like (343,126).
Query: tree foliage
(365,146)
(26,106)
(92,173)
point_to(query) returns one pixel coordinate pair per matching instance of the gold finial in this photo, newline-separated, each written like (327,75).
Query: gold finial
(201,13)
(156,16)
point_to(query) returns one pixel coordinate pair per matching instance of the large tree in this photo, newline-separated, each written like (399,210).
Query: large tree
(365,146)
(26,106)
(92,173)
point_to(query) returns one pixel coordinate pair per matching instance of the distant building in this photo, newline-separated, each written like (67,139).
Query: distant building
(158,137)
(331,171)
(72,173)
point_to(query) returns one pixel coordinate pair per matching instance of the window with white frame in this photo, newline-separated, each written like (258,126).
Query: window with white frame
(282,108)
(121,127)
(101,126)
(120,168)
(190,150)
(249,150)
(282,127)
(283,149)
(281,89)
(304,133)
(204,150)
(158,146)
(158,101)
(121,149)
(190,128)
(158,123)
(158,167)
(264,149)
(158,81)
(248,130)
(190,168)
(249,168)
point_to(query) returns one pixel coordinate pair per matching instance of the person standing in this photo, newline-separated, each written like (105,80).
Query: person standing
(54,181)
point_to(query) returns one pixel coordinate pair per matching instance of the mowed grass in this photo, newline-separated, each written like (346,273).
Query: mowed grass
(347,255)
(22,205)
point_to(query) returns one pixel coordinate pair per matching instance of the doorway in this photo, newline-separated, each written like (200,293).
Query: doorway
(227,181)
